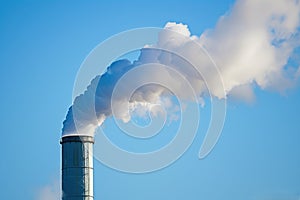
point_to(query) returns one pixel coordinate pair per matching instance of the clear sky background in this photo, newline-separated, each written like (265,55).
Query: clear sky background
(42,47)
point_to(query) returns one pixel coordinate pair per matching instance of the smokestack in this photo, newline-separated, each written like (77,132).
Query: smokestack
(77,167)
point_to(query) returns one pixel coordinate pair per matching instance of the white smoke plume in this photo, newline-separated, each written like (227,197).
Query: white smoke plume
(253,44)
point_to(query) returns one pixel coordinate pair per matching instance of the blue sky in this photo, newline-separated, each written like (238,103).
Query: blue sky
(42,47)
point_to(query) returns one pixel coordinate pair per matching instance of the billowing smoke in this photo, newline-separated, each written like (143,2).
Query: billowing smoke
(255,42)
(252,45)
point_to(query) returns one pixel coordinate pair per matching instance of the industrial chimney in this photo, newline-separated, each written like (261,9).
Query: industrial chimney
(77,167)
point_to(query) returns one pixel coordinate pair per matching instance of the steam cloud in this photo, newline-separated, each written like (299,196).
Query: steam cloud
(253,44)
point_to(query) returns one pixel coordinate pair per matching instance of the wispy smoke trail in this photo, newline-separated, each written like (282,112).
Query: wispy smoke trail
(253,44)
(49,192)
